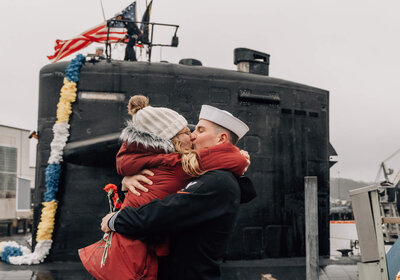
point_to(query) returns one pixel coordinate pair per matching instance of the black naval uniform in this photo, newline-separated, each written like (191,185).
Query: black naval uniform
(133,32)
(198,220)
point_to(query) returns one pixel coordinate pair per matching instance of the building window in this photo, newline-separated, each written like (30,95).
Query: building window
(8,172)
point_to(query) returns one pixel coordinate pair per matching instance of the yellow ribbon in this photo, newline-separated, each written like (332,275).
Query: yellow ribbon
(67,96)
(46,225)
(68,91)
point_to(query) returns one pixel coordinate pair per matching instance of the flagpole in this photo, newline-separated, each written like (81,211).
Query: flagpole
(102,9)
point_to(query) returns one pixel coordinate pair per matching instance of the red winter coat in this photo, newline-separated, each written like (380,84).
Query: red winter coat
(132,259)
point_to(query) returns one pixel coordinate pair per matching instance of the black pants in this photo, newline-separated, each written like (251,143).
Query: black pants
(130,54)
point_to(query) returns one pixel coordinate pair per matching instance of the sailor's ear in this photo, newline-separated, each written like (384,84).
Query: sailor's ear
(223,138)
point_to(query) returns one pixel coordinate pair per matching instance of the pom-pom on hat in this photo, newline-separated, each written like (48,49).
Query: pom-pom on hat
(224,119)
(159,121)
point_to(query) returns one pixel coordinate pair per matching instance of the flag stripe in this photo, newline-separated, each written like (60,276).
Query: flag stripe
(97,34)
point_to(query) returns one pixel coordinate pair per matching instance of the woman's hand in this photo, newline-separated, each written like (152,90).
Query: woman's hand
(247,157)
(132,183)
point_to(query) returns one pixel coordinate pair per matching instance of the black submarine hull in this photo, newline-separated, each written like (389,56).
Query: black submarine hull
(288,140)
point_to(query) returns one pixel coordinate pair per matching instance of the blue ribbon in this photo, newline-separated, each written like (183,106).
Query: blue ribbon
(10,251)
(52,178)
(73,69)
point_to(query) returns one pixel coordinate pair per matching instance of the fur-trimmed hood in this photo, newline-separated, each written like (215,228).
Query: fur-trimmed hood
(131,134)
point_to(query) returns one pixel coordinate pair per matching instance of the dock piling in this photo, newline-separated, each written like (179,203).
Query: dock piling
(311,221)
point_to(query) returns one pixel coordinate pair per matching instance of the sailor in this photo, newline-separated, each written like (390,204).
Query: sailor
(132,34)
(100,53)
(199,218)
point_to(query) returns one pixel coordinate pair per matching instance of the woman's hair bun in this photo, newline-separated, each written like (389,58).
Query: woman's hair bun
(136,103)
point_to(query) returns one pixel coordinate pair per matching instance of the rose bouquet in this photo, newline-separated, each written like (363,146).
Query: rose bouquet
(114,203)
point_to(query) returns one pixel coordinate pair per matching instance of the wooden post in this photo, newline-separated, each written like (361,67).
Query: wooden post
(311,221)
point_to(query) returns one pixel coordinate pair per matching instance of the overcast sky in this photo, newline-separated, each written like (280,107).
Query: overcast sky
(350,48)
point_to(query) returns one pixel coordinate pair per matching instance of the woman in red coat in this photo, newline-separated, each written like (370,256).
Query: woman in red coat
(157,139)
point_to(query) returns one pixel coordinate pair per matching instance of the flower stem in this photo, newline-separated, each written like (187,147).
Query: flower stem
(110,192)
(108,241)
(106,248)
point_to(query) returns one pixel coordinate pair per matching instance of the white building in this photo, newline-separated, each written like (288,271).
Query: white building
(17,172)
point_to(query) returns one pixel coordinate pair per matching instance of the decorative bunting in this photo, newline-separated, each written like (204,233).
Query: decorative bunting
(11,252)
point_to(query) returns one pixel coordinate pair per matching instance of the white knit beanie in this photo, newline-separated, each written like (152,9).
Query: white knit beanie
(160,121)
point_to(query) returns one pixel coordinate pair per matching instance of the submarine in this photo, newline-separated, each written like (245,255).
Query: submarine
(288,140)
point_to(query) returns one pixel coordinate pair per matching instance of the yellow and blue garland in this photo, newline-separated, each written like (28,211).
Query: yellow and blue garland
(10,251)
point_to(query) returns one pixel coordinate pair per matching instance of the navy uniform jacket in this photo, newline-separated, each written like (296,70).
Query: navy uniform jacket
(198,220)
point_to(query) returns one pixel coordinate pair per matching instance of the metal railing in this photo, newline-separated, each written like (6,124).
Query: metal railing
(150,43)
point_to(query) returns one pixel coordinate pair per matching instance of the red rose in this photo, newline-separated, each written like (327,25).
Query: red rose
(116,201)
(110,187)
(114,198)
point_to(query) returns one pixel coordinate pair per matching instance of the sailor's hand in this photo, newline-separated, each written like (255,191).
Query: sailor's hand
(122,40)
(104,222)
(132,183)
(247,157)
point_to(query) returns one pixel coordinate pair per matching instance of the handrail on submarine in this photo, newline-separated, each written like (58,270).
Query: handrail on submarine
(174,41)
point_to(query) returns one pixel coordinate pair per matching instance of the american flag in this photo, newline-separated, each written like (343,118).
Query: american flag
(96,34)
(129,13)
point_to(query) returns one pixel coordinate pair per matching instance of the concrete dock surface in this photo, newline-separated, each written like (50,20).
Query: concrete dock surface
(280,269)
(331,268)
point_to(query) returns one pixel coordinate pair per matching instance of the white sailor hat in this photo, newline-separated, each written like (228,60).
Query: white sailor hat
(224,119)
